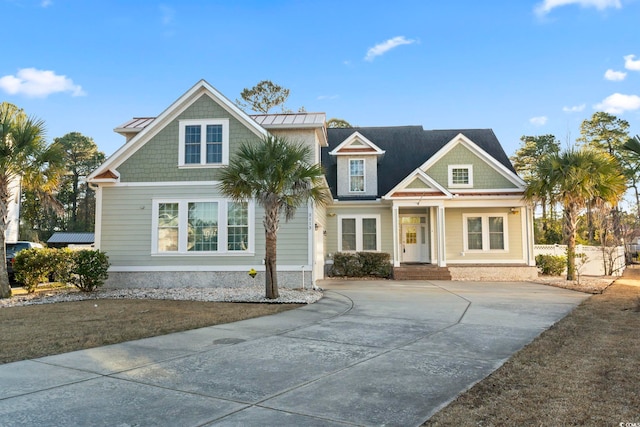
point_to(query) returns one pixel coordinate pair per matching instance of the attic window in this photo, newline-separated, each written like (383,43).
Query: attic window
(356,175)
(203,143)
(460,176)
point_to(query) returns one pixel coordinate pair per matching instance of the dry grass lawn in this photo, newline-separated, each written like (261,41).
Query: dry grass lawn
(46,329)
(585,370)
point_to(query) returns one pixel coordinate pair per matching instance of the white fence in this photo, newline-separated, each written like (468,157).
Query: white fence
(594,265)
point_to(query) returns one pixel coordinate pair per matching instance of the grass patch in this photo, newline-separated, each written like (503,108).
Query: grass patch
(582,371)
(47,329)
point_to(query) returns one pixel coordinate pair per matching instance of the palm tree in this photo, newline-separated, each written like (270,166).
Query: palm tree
(278,175)
(575,178)
(25,157)
(631,159)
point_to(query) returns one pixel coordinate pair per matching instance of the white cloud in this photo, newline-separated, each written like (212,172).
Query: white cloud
(167,14)
(614,76)
(38,83)
(538,121)
(46,3)
(574,109)
(384,47)
(630,64)
(618,103)
(547,6)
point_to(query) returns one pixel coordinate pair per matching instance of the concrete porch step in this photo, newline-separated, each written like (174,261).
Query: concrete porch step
(421,272)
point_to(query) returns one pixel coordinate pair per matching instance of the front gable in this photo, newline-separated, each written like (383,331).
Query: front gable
(418,184)
(155,153)
(461,166)
(357,144)
(161,158)
(357,166)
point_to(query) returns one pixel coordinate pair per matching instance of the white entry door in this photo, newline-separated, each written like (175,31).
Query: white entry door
(411,243)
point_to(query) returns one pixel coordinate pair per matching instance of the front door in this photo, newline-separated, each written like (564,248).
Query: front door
(414,238)
(411,243)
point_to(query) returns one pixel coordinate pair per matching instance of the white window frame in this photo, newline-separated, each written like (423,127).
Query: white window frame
(469,169)
(364,176)
(203,144)
(486,244)
(183,220)
(359,235)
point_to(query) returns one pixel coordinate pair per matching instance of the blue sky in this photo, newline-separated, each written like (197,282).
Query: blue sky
(525,67)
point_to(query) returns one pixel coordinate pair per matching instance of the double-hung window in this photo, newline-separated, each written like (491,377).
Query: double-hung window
(485,232)
(202,226)
(359,233)
(356,175)
(460,176)
(203,143)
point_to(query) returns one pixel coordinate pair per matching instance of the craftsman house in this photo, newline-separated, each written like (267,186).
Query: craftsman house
(443,204)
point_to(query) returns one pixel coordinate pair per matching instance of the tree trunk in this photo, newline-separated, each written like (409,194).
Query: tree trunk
(74,202)
(271,224)
(271,277)
(635,188)
(590,227)
(5,286)
(570,228)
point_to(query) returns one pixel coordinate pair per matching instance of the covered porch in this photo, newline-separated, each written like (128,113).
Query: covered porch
(432,240)
(418,235)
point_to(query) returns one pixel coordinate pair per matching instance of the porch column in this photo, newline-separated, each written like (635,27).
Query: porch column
(442,257)
(531,261)
(396,254)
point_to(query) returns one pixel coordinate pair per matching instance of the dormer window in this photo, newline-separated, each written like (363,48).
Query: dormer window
(204,143)
(356,175)
(460,176)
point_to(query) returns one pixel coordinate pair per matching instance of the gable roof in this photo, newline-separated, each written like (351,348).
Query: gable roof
(145,129)
(356,143)
(290,120)
(406,149)
(418,184)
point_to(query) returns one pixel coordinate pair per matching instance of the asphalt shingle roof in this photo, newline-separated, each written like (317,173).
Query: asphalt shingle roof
(407,148)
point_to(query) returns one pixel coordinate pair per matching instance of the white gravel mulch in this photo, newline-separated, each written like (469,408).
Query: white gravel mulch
(245,294)
(587,284)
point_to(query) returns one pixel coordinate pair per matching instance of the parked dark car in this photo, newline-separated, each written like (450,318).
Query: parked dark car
(12,250)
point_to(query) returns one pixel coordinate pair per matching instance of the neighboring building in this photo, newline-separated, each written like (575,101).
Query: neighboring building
(444,200)
(72,240)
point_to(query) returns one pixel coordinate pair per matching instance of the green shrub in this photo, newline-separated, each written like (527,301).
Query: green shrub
(551,265)
(361,264)
(375,264)
(61,261)
(32,267)
(89,269)
(345,264)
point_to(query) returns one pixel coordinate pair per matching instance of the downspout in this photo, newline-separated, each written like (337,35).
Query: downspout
(97,230)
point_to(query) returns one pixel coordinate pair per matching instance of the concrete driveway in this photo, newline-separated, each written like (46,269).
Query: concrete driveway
(370,353)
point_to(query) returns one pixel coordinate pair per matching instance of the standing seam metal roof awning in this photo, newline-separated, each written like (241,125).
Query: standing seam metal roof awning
(72,238)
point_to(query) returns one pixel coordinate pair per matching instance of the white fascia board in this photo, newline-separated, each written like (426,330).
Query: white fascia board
(484,191)
(359,204)
(169,114)
(168,184)
(495,202)
(293,126)
(350,139)
(418,173)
